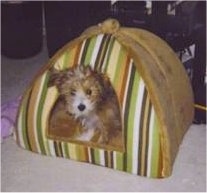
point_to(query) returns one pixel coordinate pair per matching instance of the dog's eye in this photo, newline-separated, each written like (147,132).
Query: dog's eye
(72,92)
(88,91)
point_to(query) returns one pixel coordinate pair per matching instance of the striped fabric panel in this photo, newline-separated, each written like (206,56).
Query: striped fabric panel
(142,155)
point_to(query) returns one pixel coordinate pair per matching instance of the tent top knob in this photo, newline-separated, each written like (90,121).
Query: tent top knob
(109,26)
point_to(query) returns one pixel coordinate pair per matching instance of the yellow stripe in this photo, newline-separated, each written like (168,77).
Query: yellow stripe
(73,151)
(60,63)
(113,61)
(81,153)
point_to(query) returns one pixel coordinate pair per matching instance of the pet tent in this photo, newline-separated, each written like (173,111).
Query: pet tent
(153,91)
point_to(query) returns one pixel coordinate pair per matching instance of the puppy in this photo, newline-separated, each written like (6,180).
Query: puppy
(90,99)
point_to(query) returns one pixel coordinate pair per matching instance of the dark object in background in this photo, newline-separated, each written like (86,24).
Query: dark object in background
(67,20)
(174,29)
(21,29)
(200,104)
(180,31)
(130,14)
(197,32)
(199,73)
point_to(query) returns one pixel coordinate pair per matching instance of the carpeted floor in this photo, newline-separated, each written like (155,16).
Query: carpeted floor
(25,171)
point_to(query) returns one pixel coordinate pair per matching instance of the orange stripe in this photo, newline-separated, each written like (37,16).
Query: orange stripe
(146,134)
(123,78)
(83,153)
(160,164)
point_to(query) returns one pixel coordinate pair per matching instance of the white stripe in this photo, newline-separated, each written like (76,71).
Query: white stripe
(114,160)
(151,126)
(138,109)
(89,155)
(81,51)
(96,49)
(102,160)
(51,147)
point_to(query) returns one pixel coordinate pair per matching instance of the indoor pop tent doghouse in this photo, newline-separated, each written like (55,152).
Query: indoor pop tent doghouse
(153,91)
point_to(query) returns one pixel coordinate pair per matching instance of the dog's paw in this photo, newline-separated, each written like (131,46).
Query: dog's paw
(86,135)
(103,140)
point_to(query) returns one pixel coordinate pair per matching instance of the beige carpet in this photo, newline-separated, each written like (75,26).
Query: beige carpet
(26,171)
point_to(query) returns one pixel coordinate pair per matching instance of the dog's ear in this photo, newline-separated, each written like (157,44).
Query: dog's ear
(106,84)
(57,77)
(86,70)
(106,81)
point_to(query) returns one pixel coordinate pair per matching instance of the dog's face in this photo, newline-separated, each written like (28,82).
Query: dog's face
(81,88)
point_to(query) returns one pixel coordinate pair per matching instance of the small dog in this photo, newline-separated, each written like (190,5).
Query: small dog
(90,99)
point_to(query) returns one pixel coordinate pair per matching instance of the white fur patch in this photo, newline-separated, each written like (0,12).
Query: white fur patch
(86,135)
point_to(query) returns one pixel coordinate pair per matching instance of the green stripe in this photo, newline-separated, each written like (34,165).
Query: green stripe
(48,147)
(147,136)
(119,160)
(65,146)
(24,121)
(130,126)
(96,156)
(155,149)
(104,51)
(90,50)
(85,49)
(39,114)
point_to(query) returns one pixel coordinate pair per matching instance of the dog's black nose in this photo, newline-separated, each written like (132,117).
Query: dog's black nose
(81,107)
